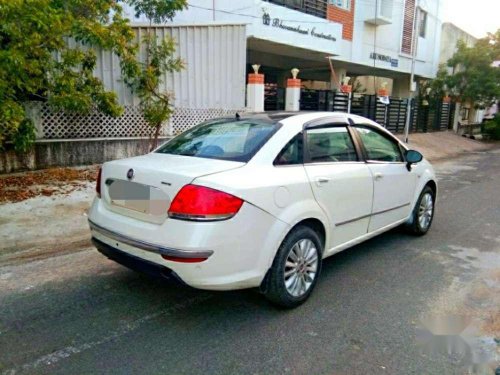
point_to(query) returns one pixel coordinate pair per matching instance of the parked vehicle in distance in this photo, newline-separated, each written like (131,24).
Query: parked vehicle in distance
(260,200)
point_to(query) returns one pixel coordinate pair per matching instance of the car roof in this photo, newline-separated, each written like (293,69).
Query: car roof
(296,119)
(278,116)
(274,116)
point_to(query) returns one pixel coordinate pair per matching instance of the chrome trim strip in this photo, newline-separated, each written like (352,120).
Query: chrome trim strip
(149,246)
(334,162)
(374,214)
(390,209)
(369,161)
(352,220)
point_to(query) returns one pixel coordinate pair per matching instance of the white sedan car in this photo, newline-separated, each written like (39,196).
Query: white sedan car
(260,201)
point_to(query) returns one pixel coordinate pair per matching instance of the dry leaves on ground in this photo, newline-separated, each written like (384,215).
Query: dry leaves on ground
(20,186)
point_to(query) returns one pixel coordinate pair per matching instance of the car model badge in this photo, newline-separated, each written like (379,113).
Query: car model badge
(130,174)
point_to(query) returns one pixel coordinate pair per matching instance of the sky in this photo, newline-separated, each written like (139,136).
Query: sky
(477,17)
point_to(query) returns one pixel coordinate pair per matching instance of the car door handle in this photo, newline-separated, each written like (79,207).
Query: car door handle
(322,180)
(378,176)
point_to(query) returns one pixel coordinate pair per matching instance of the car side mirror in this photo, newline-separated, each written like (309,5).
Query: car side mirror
(412,157)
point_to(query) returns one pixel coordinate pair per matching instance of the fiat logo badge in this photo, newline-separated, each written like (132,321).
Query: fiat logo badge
(130,174)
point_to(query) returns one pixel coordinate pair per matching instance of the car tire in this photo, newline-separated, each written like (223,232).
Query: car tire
(423,213)
(289,286)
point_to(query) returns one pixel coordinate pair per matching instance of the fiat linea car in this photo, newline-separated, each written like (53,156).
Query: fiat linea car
(260,200)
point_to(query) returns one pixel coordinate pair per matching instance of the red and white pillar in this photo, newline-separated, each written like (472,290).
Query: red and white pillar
(255,91)
(292,101)
(346,88)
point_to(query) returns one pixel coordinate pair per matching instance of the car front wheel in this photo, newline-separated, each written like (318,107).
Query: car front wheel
(295,269)
(423,214)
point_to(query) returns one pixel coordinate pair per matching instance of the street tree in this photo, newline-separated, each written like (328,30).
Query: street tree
(38,64)
(159,60)
(474,78)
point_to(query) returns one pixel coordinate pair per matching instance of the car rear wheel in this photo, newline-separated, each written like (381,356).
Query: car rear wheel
(295,269)
(423,213)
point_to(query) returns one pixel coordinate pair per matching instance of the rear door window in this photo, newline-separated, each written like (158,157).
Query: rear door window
(235,140)
(292,153)
(330,144)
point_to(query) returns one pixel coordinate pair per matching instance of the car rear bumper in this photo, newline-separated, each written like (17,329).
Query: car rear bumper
(239,251)
(135,263)
(146,246)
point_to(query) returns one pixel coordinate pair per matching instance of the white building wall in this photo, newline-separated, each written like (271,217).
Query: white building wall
(451,34)
(214,74)
(250,12)
(387,36)
(428,50)
(211,85)
(386,39)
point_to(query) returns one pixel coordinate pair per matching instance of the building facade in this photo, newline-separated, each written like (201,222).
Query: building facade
(372,40)
(450,35)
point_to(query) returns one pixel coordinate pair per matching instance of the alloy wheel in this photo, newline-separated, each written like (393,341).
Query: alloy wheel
(301,267)
(425,211)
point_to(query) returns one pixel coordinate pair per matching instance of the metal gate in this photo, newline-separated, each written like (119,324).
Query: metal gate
(274,97)
(435,116)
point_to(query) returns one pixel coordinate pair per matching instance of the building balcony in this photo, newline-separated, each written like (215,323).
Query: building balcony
(380,14)
(314,7)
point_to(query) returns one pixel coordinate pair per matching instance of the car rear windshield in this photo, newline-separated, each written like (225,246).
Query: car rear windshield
(225,139)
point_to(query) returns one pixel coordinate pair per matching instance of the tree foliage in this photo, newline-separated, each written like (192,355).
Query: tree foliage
(47,53)
(473,77)
(492,127)
(157,11)
(156,105)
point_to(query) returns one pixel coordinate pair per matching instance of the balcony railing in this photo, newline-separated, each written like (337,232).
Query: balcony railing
(314,7)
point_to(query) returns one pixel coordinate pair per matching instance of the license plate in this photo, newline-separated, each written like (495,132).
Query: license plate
(136,197)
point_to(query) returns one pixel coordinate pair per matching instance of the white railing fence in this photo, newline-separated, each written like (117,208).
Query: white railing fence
(60,125)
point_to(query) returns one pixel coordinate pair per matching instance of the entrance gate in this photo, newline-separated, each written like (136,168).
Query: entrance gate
(434,117)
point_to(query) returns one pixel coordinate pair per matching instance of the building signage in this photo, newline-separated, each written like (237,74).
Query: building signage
(276,22)
(377,56)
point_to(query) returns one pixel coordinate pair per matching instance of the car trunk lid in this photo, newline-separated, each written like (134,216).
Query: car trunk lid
(143,187)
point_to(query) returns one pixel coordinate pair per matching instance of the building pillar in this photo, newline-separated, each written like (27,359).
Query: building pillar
(292,100)
(456,116)
(255,92)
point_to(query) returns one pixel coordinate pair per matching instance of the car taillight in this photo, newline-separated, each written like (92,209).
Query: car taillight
(200,203)
(98,183)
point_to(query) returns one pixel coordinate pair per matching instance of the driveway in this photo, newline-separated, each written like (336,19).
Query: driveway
(81,313)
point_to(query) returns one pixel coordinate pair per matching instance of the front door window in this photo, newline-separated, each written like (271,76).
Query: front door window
(379,147)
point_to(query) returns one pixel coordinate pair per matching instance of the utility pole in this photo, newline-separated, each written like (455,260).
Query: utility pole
(414,46)
(375,51)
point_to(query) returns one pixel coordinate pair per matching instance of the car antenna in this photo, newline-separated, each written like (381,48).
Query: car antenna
(238,117)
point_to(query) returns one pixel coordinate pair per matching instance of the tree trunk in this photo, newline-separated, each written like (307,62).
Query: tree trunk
(154,140)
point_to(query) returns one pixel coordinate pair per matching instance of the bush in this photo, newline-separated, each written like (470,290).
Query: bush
(492,127)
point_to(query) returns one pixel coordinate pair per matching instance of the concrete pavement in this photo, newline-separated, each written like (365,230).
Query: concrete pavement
(445,145)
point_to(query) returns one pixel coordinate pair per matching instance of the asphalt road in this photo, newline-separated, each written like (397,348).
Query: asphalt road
(83,314)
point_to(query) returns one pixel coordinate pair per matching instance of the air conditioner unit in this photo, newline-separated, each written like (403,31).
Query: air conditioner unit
(380,12)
